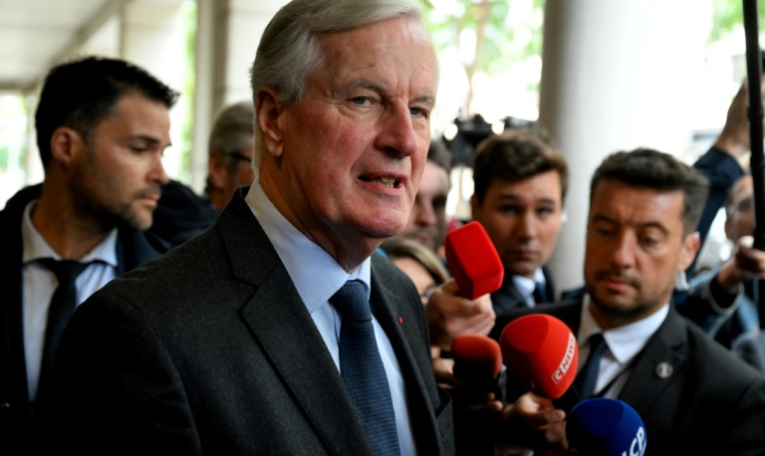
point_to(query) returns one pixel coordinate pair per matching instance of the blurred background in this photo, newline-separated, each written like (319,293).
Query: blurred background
(599,76)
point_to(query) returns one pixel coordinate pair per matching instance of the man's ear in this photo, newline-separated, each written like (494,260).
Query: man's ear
(217,172)
(689,250)
(269,110)
(66,146)
(474,208)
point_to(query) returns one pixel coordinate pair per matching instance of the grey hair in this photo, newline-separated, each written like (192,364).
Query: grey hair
(233,128)
(288,51)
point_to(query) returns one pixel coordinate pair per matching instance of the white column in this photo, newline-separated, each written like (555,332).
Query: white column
(615,76)
(228,34)
(153,37)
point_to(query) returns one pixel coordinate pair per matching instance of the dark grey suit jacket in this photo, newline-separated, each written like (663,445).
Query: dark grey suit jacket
(710,403)
(210,350)
(16,423)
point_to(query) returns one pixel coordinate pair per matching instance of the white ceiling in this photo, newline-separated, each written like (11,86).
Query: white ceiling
(35,34)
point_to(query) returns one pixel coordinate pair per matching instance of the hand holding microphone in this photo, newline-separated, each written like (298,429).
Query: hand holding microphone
(463,305)
(542,354)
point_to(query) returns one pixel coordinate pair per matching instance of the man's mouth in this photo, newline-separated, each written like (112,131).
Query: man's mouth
(390,182)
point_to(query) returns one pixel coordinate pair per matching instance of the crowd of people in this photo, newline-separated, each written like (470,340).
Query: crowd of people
(303,304)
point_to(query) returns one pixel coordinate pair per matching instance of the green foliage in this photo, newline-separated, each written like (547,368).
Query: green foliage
(729,15)
(511,30)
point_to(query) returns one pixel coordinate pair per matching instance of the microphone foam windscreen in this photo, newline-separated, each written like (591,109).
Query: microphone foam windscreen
(480,351)
(605,427)
(541,352)
(473,260)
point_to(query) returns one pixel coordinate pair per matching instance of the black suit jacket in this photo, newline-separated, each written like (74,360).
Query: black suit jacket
(210,350)
(711,403)
(133,249)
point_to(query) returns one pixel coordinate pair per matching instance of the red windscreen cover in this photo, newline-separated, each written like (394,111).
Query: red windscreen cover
(478,351)
(473,261)
(541,352)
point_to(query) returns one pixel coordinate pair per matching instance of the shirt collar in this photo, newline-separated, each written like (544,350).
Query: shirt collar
(35,247)
(525,285)
(314,272)
(624,342)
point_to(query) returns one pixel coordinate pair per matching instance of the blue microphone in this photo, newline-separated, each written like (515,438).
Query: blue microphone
(605,427)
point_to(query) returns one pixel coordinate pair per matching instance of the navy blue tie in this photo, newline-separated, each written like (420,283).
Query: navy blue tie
(540,294)
(362,369)
(62,306)
(586,380)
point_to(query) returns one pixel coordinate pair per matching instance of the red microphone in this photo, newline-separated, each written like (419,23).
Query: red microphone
(473,260)
(542,354)
(478,365)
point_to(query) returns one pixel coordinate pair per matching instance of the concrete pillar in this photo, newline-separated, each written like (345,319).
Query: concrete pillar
(615,76)
(153,37)
(227,37)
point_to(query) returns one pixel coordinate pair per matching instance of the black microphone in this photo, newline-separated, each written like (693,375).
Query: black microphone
(605,427)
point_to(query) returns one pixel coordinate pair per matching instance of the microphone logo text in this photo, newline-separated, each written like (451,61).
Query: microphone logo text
(637,447)
(565,363)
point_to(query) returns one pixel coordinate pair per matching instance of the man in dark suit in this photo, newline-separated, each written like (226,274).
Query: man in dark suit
(693,395)
(101,128)
(246,339)
(520,184)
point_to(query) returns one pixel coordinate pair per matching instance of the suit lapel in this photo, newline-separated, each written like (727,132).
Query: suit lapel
(285,332)
(662,357)
(400,325)
(13,385)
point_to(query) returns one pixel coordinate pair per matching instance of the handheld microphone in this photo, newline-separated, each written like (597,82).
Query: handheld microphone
(542,354)
(478,365)
(473,260)
(605,427)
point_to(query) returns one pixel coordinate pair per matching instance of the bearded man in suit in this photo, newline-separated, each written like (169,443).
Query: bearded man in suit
(235,342)
(693,395)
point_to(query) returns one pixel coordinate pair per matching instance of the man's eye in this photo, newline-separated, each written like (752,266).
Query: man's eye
(510,209)
(360,101)
(419,112)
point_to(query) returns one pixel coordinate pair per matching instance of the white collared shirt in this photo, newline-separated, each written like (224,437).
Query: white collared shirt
(624,344)
(317,276)
(39,284)
(526,286)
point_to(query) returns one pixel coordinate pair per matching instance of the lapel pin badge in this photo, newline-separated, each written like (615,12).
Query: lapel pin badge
(663,370)
(400,320)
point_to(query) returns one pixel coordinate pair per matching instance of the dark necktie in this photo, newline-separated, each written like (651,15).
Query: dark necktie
(62,306)
(362,369)
(588,376)
(540,294)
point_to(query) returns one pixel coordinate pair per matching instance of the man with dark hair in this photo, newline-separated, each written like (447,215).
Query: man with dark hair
(693,395)
(520,184)
(102,126)
(427,222)
(279,330)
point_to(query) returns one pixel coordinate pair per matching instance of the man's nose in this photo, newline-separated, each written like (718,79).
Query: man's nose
(397,135)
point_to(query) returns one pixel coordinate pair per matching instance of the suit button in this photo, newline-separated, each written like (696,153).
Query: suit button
(5,405)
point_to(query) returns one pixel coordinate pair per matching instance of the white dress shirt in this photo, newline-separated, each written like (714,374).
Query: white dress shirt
(39,284)
(526,286)
(624,344)
(317,276)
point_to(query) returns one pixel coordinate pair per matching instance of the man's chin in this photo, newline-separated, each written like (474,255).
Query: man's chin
(521,268)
